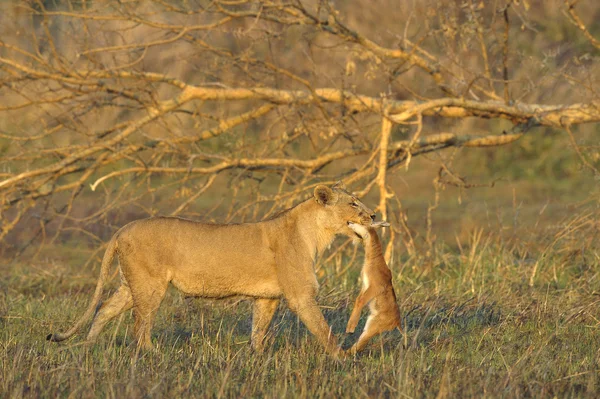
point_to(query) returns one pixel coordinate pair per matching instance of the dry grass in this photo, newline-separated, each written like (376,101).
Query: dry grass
(476,327)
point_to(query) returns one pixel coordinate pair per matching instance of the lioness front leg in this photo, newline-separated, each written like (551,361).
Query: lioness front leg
(310,314)
(299,285)
(262,314)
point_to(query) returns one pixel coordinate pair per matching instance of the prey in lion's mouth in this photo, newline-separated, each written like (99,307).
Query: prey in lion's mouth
(372,224)
(355,233)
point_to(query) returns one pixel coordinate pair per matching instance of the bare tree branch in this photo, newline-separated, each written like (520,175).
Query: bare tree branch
(234,110)
(579,23)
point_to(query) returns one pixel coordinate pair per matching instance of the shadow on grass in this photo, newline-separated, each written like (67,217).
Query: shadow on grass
(425,324)
(428,323)
(462,316)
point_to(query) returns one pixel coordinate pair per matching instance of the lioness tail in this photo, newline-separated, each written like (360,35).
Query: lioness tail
(104,269)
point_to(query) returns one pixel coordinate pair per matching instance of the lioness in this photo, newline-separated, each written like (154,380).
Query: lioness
(264,261)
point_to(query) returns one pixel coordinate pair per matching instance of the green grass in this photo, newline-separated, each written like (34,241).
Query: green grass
(476,328)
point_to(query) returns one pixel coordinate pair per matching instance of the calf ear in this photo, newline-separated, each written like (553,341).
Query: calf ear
(324,195)
(380,224)
(340,185)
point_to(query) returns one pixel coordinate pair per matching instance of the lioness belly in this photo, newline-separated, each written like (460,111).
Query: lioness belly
(216,269)
(223,285)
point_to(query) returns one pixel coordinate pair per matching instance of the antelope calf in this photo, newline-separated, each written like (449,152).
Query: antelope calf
(377,290)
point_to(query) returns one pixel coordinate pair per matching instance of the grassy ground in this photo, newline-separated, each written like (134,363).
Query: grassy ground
(476,327)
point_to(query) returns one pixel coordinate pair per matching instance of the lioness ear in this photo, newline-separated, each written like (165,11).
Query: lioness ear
(339,184)
(324,195)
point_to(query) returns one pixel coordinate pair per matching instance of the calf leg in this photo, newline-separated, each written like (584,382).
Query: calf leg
(363,298)
(371,330)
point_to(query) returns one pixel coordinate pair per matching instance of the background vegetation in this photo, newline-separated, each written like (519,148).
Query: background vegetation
(229,111)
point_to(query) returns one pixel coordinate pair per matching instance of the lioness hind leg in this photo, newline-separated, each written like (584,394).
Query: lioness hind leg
(116,304)
(262,314)
(145,305)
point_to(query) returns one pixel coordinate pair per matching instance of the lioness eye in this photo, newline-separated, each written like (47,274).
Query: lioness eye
(354,205)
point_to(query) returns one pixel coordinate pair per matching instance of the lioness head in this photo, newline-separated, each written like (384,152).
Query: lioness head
(342,208)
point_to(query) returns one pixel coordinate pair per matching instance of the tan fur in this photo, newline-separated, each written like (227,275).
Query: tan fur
(264,261)
(377,290)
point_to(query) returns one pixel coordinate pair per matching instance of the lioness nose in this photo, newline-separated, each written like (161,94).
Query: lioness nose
(373,217)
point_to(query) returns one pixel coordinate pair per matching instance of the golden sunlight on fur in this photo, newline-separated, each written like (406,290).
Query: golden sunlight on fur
(265,261)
